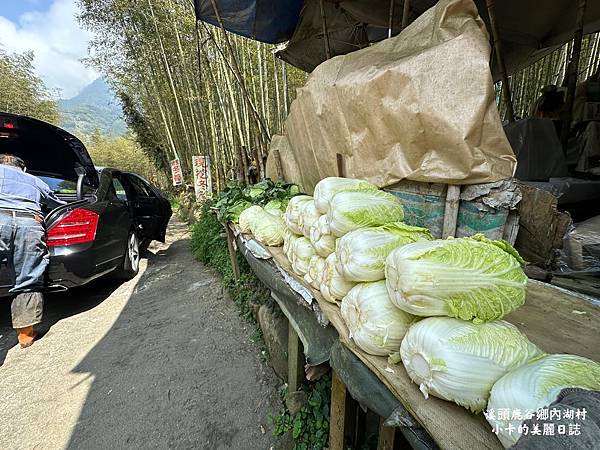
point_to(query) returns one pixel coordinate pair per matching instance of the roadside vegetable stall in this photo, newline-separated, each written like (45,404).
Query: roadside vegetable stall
(389,248)
(554,319)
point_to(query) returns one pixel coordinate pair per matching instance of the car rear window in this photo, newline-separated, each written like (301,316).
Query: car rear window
(64,187)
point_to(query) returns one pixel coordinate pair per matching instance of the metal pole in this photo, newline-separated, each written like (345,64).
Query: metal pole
(325,32)
(572,75)
(500,60)
(391,19)
(405,13)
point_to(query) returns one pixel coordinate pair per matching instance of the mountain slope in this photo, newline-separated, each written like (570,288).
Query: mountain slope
(95,107)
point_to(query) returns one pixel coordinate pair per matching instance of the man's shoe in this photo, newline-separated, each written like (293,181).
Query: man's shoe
(26,336)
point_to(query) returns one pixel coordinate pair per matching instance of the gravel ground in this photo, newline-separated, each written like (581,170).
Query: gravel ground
(162,361)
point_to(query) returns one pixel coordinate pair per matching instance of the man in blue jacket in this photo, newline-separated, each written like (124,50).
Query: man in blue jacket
(23,241)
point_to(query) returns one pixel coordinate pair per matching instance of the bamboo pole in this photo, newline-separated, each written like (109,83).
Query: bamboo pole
(500,60)
(170,76)
(277,97)
(405,14)
(391,19)
(237,71)
(572,74)
(285,88)
(325,31)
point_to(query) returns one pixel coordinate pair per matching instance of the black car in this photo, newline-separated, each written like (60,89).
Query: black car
(110,218)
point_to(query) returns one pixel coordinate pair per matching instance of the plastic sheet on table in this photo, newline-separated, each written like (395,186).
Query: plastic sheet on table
(581,248)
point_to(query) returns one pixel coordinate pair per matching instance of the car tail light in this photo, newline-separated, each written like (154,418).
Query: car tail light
(75,228)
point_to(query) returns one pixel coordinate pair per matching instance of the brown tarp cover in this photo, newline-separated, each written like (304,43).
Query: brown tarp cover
(529,29)
(418,106)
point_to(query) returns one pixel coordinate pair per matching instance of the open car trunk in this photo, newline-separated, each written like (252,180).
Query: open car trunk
(51,153)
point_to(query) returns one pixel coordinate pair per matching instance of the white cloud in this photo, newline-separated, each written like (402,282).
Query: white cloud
(59,44)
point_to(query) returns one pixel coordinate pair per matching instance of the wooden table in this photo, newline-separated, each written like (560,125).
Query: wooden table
(557,320)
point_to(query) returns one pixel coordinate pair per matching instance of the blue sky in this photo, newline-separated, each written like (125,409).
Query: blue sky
(50,29)
(12,9)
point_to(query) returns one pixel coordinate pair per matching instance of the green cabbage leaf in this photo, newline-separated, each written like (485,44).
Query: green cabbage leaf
(460,361)
(468,278)
(537,385)
(353,210)
(362,253)
(374,323)
(328,187)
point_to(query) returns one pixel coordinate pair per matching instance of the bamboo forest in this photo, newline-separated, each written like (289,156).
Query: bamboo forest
(300,224)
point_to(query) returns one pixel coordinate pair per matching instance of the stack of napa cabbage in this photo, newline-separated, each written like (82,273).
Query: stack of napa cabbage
(460,361)
(471,278)
(473,282)
(365,225)
(471,356)
(349,242)
(347,204)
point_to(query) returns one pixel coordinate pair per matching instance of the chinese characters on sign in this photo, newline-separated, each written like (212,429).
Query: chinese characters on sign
(542,425)
(176,172)
(202,178)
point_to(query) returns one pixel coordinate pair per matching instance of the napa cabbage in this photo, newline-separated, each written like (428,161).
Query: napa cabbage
(288,239)
(333,285)
(375,324)
(321,238)
(308,216)
(247,217)
(314,274)
(302,252)
(362,253)
(267,228)
(460,361)
(234,211)
(537,385)
(328,187)
(469,278)
(293,210)
(352,210)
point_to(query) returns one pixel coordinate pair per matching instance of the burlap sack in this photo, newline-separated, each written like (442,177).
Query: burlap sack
(280,148)
(419,106)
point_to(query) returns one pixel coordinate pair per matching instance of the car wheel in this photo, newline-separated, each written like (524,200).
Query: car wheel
(131,260)
(144,246)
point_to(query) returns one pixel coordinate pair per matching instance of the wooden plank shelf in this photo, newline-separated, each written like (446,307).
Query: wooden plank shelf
(555,319)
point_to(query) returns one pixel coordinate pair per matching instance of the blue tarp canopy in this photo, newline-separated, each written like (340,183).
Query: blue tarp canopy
(528,31)
(269,21)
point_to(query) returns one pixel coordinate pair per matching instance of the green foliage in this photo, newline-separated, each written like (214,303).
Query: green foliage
(235,196)
(125,154)
(174,201)
(23,92)
(179,78)
(310,425)
(146,135)
(210,248)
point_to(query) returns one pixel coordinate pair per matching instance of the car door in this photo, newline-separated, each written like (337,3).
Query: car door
(146,207)
(115,222)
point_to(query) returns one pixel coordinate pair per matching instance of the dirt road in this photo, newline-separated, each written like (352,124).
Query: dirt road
(162,361)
